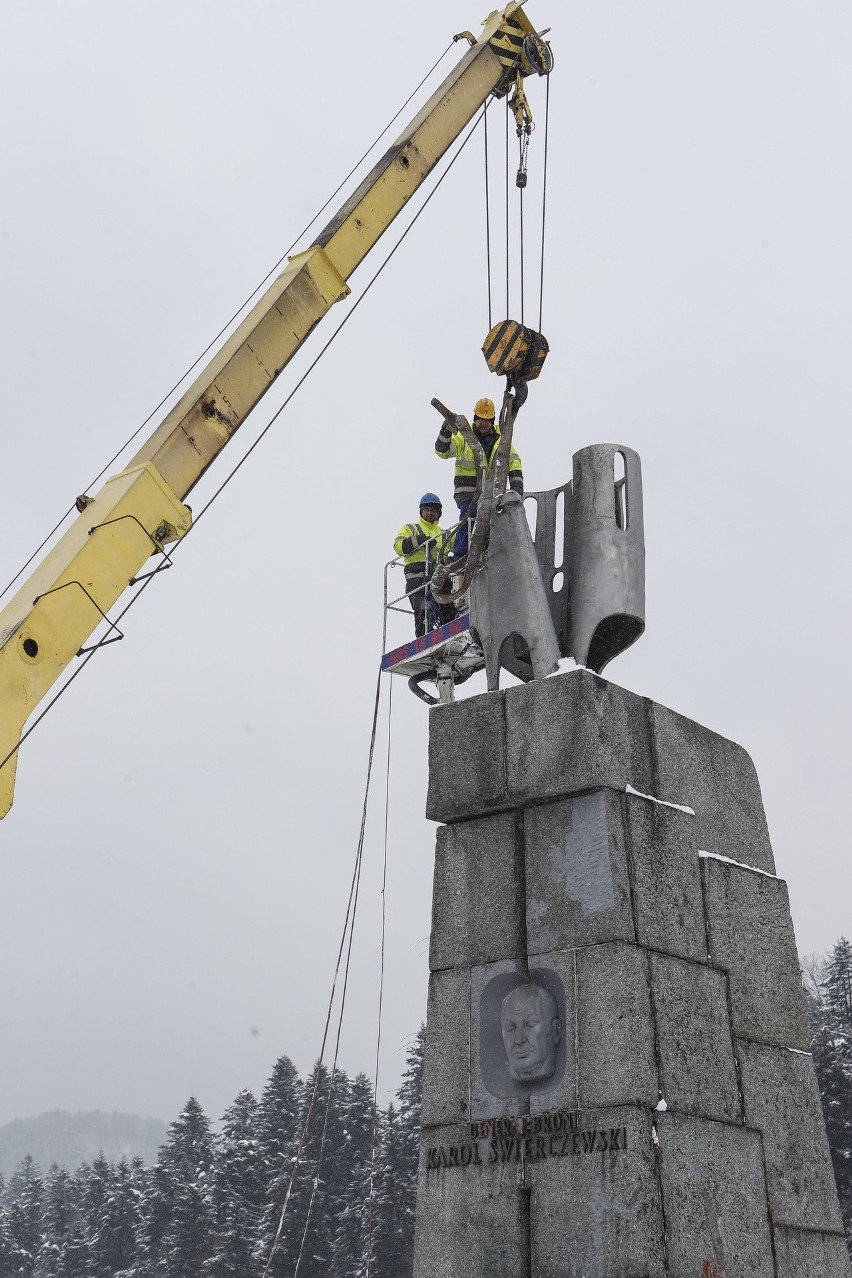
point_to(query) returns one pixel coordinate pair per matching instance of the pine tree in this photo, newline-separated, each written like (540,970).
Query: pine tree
(62,1226)
(278,1117)
(352,1208)
(5,1250)
(177,1240)
(24,1221)
(99,1185)
(304,1249)
(238,1191)
(829,1005)
(386,1245)
(115,1230)
(410,1096)
(837,985)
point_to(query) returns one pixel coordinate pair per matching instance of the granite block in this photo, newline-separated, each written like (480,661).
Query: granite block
(575,732)
(598,1214)
(446,1066)
(666,879)
(493,1093)
(560,1091)
(801,1253)
(477,902)
(577,885)
(714,1197)
(751,937)
(467,758)
(718,780)
(782,1100)
(698,1073)
(615,1036)
(470,1219)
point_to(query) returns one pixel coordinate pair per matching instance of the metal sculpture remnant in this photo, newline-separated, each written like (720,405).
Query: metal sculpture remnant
(575,587)
(585,568)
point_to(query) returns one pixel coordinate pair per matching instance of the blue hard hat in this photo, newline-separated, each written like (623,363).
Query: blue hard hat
(431,499)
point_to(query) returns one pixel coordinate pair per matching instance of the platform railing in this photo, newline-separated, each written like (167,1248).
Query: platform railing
(397,603)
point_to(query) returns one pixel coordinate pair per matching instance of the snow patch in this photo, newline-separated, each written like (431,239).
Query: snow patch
(729,860)
(797,1051)
(662,1106)
(664,803)
(563,666)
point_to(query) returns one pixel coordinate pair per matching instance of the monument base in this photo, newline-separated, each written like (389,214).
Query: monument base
(617,1078)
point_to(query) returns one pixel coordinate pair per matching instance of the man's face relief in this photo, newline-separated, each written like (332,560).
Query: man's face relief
(532,1031)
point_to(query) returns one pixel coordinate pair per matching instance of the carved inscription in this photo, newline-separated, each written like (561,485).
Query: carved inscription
(526,1140)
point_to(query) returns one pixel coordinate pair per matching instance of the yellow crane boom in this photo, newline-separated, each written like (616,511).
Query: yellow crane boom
(140,510)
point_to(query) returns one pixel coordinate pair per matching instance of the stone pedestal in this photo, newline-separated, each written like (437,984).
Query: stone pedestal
(617,1079)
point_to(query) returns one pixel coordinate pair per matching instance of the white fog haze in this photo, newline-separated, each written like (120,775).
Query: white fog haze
(175,869)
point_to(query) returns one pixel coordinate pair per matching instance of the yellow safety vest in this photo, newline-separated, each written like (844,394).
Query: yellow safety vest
(465,476)
(411,543)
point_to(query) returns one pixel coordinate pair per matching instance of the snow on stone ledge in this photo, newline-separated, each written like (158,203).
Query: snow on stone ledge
(729,860)
(664,803)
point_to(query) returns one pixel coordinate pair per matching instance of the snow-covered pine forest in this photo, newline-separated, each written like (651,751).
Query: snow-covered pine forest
(210,1206)
(828,999)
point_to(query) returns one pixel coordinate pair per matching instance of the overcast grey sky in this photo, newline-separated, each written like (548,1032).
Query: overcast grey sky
(173,874)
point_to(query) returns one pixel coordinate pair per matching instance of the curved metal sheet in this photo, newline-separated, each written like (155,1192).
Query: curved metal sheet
(508,604)
(606,554)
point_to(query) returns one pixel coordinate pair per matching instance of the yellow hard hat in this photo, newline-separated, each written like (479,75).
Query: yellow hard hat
(485,408)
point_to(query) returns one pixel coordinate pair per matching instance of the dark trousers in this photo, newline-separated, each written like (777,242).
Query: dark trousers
(428,613)
(465,512)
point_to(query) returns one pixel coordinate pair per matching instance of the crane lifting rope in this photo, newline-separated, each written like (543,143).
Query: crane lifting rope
(141,511)
(451,652)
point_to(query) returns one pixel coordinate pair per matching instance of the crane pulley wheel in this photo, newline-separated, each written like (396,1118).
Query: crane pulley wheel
(536,56)
(513,350)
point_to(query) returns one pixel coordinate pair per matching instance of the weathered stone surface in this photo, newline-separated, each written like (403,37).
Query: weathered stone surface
(446,1078)
(617,1064)
(597,1215)
(698,1073)
(560,1092)
(492,1092)
(782,1100)
(751,937)
(714,1197)
(575,732)
(805,1254)
(477,904)
(467,758)
(717,778)
(578,890)
(598,898)
(470,1220)
(666,879)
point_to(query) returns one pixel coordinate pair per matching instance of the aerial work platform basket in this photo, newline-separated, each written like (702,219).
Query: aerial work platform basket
(445,654)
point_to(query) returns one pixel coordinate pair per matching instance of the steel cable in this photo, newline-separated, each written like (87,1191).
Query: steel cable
(97,647)
(226,325)
(381,986)
(508,311)
(543,202)
(348,929)
(521,220)
(487,218)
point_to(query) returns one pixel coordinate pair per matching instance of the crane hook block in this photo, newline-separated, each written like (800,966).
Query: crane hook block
(512,350)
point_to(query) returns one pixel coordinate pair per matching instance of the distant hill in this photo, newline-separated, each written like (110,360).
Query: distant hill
(72,1139)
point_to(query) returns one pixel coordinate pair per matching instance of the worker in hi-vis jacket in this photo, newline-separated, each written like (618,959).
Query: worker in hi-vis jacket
(450,444)
(419,544)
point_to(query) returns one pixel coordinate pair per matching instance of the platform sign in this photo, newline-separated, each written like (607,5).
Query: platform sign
(426,643)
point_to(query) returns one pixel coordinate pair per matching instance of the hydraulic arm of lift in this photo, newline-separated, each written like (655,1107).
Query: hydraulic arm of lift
(140,510)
